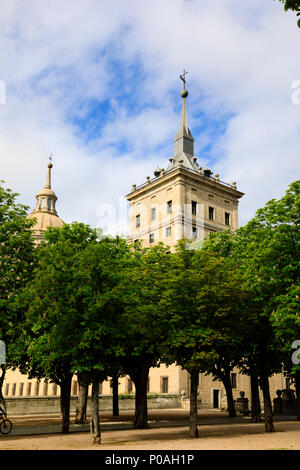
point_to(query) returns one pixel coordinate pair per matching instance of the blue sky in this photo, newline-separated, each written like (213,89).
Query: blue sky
(97,84)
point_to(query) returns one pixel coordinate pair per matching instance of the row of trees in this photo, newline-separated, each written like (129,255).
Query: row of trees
(98,307)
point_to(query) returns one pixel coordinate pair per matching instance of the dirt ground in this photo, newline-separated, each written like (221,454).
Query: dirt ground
(241,436)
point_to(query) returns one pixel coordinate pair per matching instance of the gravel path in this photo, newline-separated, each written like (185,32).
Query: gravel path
(216,432)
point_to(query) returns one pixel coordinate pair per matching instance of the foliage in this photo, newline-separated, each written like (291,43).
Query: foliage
(16,263)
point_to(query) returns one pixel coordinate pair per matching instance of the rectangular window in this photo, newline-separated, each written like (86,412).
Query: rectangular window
(194,207)
(6,389)
(148,385)
(21,388)
(194,232)
(169,207)
(227,218)
(164,384)
(233,380)
(151,238)
(36,388)
(137,220)
(13,391)
(54,389)
(153,213)
(211,213)
(74,387)
(49,204)
(45,388)
(129,386)
(100,388)
(168,231)
(28,389)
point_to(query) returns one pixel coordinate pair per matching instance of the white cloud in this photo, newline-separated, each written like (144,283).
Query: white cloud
(56,56)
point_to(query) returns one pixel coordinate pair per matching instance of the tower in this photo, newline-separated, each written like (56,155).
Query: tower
(45,211)
(184,200)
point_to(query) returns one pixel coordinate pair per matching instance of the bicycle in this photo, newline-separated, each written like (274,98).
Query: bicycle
(5,423)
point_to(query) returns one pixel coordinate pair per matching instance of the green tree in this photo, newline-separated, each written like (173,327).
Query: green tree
(16,264)
(144,327)
(283,218)
(267,253)
(53,308)
(206,316)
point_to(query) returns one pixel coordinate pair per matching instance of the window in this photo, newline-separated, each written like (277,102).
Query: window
(194,229)
(169,207)
(148,385)
(13,391)
(153,213)
(137,220)
(211,213)
(151,238)
(28,389)
(49,204)
(21,388)
(45,388)
(100,388)
(227,218)
(164,384)
(36,388)
(54,389)
(168,231)
(194,207)
(74,387)
(6,389)
(129,386)
(233,380)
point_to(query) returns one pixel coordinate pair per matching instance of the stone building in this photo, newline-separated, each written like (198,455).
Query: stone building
(182,201)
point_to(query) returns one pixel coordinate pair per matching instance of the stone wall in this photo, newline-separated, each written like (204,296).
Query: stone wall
(18,406)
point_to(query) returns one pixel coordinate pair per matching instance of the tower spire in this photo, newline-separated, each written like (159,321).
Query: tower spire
(48,179)
(184,141)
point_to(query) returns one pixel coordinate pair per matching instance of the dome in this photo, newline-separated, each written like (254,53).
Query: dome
(44,211)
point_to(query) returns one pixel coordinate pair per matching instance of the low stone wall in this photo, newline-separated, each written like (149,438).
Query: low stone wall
(17,406)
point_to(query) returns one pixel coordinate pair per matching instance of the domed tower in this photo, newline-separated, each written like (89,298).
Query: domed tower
(44,211)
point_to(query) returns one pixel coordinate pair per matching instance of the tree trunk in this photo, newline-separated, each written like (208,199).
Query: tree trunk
(95,420)
(82,402)
(255,401)
(2,377)
(140,380)
(269,427)
(115,384)
(65,393)
(193,403)
(230,402)
(297,385)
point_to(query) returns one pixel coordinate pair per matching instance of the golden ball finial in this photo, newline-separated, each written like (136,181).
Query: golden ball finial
(50,165)
(184,93)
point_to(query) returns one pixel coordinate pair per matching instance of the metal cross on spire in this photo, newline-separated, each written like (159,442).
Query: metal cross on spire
(50,157)
(182,77)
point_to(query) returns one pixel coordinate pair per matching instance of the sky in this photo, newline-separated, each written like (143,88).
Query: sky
(96,84)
